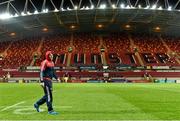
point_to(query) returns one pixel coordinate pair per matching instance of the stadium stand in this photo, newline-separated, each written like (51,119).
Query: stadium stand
(21,52)
(3,46)
(149,44)
(56,43)
(86,42)
(173,43)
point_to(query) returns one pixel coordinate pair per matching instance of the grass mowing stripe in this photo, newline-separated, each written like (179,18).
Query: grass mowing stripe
(127,104)
(8,107)
(140,110)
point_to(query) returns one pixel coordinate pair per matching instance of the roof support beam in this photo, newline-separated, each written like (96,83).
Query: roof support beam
(115,13)
(25,6)
(136,3)
(133,16)
(95,16)
(77,18)
(61,6)
(15,9)
(98,3)
(53,4)
(117,3)
(33,5)
(176,4)
(6,2)
(96,10)
(156,2)
(91,2)
(79,6)
(129,3)
(147,3)
(7,9)
(166,4)
(58,19)
(72,3)
(44,5)
(110,3)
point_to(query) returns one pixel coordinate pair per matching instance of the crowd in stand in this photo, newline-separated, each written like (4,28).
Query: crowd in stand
(86,42)
(173,44)
(56,43)
(21,52)
(117,43)
(4,46)
(149,44)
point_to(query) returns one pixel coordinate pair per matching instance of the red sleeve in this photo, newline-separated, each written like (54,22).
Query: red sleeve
(43,67)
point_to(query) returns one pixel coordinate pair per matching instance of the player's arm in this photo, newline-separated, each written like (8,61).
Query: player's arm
(55,76)
(43,66)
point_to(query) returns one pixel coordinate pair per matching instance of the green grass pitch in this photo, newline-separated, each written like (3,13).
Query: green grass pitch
(93,102)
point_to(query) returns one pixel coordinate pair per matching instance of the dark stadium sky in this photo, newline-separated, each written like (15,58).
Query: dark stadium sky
(19,4)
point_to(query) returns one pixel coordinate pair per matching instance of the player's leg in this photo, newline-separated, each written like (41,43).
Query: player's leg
(49,100)
(42,100)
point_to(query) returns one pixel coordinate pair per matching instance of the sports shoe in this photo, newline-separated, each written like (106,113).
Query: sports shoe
(53,112)
(36,106)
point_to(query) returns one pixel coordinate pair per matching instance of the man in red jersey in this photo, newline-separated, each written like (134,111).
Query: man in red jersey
(46,74)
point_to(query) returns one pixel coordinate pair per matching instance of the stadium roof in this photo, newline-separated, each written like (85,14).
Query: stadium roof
(20,18)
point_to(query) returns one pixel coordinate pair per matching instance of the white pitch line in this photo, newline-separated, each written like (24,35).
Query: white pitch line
(26,106)
(8,107)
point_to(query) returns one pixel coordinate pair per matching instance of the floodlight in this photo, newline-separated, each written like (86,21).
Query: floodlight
(36,12)
(87,8)
(23,14)
(16,15)
(62,9)
(122,6)
(45,10)
(113,6)
(92,6)
(154,7)
(56,10)
(68,8)
(160,8)
(128,7)
(147,7)
(5,16)
(29,13)
(82,8)
(169,8)
(103,6)
(75,7)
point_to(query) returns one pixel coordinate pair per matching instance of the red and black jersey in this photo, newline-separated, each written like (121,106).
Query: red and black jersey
(47,68)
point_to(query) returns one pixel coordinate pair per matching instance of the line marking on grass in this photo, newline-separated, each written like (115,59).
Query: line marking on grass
(24,106)
(8,107)
(28,110)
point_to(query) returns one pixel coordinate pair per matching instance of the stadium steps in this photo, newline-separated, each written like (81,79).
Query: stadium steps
(5,51)
(70,54)
(103,56)
(137,53)
(164,43)
(40,45)
(38,51)
(169,50)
